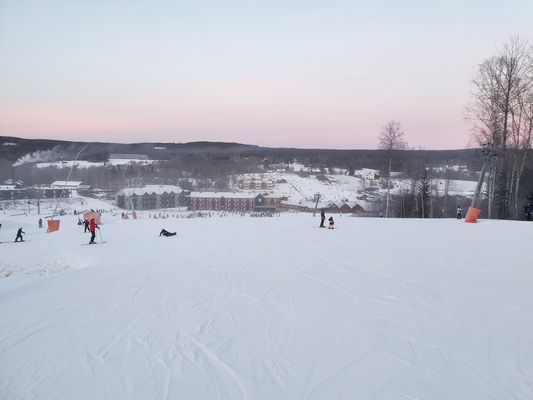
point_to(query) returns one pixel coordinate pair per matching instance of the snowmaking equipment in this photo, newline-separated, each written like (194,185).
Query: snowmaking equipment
(488,153)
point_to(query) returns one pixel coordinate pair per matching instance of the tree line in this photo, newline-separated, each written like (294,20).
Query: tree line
(501,110)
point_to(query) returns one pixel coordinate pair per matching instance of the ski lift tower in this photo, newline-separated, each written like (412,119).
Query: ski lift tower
(317,199)
(53,224)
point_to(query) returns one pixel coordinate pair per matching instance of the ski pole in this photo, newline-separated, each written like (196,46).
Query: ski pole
(100,233)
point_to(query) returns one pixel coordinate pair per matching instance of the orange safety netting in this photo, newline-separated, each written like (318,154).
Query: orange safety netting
(53,225)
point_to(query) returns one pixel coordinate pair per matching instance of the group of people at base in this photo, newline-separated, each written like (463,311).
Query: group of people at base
(323,219)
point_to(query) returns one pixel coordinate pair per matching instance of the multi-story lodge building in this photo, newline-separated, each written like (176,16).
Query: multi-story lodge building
(16,191)
(150,197)
(253,183)
(228,201)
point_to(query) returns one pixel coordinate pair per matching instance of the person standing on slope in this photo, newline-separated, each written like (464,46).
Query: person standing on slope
(86,225)
(19,235)
(459,212)
(92,229)
(322,219)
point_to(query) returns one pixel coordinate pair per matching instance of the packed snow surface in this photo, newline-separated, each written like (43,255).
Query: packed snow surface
(339,187)
(267,308)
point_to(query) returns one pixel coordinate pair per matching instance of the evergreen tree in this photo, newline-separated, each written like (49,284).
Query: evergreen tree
(424,193)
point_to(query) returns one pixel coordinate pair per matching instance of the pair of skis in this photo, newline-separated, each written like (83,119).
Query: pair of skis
(100,242)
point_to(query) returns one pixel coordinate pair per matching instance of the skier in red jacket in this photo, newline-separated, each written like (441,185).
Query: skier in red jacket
(92,229)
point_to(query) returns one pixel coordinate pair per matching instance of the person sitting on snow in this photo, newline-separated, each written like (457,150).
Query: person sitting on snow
(331,223)
(19,235)
(166,233)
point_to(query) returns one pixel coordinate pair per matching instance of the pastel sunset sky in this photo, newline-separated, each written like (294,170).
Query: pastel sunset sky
(303,73)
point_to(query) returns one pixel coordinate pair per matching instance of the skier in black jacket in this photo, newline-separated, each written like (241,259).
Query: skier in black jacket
(322,219)
(19,235)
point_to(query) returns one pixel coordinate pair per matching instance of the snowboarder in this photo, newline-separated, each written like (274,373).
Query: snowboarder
(331,223)
(40,222)
(86,225)
(322,219)
(92,229)
(459,212)
(19,235)
(166,233)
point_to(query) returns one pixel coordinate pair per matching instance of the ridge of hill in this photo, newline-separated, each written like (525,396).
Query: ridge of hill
(13,148)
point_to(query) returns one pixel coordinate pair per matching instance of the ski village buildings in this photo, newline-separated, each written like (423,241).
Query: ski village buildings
(153,197)
(17,190)
(256,196)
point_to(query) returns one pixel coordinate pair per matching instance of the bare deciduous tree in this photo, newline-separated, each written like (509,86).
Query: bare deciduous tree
(391,140)
(498,108)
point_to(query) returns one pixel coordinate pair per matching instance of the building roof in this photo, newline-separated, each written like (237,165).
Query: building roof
(12,182)
(339,204)
(226,195)
(69,184)
(7,187)
(151,189)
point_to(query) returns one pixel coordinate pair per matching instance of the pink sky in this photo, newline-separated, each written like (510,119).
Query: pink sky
(298,75)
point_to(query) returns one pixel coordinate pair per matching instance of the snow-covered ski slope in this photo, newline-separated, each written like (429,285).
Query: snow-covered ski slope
(268,308)
(339,187)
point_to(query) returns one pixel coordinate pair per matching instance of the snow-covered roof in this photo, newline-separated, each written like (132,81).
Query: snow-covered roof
(69,184)
(12,182)
(339,204)
(226,195)
(151,189)
(7,187)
